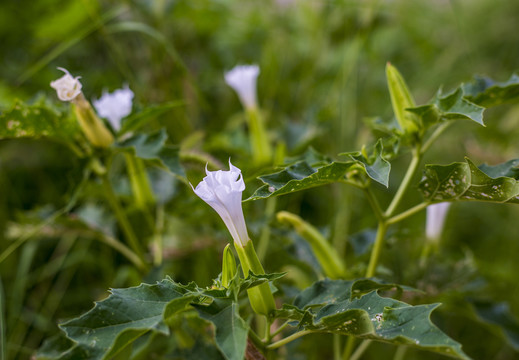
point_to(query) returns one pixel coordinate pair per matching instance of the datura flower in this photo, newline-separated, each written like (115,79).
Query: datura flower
(242,79)
(222,190)
(115,106)
(67,87)
(435,221)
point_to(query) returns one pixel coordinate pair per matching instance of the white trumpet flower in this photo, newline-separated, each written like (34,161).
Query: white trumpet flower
(67,86)
(115,106)
(435,220)
(242,79)
(222,190)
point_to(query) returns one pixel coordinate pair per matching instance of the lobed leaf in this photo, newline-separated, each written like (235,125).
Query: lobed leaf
(376,167)
(466,182)
(486,92)
(329,306)
(124,316)
(314,169)
(452,106)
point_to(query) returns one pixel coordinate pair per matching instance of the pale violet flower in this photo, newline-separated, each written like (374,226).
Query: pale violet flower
(242,79)
(222,190)
(435,220)
(115,106)
(67,87)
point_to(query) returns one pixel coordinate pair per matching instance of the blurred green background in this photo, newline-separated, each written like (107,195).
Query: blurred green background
(322,75)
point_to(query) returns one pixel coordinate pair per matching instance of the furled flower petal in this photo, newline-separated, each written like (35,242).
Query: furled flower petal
(435,221)
(67,87)
(115,106)
(222,190)
(242,79)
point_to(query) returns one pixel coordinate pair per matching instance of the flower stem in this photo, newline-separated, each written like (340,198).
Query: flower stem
(350,344)
(121,217)
(360,350)
(405,214)
(375,253)
(261,151)
(288,339)
(411,171)
(260,297)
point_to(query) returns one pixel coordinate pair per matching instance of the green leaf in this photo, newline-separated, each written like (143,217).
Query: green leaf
(125,315)
(314,169)
(486,92)
(452,106)
(334,306)
(39,120)
(153,148)
(376,167)
(499,314)
(231,330)
(138,119)
(466,182)
(301,176)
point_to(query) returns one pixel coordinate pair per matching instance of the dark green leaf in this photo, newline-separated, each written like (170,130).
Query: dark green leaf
(37,121)
(464,181)
(485,92)
(453,106)
(314,169)
(231,330)
(153,148)
(301,176)
(376,167)
(125,315)
(328,306)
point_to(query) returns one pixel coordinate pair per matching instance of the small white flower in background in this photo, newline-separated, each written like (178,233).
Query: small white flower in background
(115,106)
(435,221)
(222,190)
(242,79)
(67,87)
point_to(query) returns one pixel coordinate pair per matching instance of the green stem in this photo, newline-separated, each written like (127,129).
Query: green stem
(377,247)
(157,236)
(279,329)
(374,203)
(337,347)
(288,339)
(411,171)
(400,353)
(439,130)
(360,350)
(350,344)
(405,214)
(333,266)
(261,150)
(256,340)
(121,217)
(260,297)
(124,250)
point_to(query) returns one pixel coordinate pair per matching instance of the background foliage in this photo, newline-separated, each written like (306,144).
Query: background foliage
(322,78)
